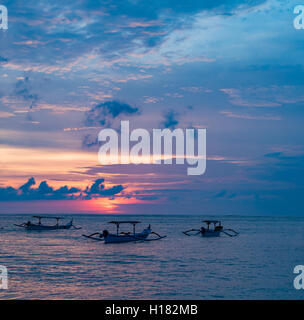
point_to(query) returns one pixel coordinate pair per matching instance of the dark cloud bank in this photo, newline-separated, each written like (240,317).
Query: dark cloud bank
(45,192)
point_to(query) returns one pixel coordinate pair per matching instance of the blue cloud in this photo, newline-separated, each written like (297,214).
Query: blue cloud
(273,155)
(25,188)
(170,119)
(102,114)
(220,194)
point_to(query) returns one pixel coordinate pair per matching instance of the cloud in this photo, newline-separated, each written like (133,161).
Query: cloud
(147,197)
(232,195)
(148,99)
(89,141)
(26,192)
(170,119)
(82,50)
(3,60)
(98,189)
(220,194)
(120,27)
(103,115)
(194,89)
(273,155)
(270,96)
(224,194)
(4,114)
(111,191)
(154,8)
(66,190)
(230,114)
(44,188)
(26,187)
(251,97)
(23,89)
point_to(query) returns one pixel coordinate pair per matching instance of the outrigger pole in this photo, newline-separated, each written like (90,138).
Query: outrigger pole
(230,235)
(101,237)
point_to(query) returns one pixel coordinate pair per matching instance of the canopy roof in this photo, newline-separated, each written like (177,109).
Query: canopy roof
(120,222)
(211,221)
(47,217)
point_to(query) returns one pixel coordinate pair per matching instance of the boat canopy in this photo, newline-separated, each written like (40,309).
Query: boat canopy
(120,222)
(211,221)
(47,217)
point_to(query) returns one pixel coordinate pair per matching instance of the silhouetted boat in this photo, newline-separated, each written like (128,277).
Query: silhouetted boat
(211,232)
(119,237)
(39,226)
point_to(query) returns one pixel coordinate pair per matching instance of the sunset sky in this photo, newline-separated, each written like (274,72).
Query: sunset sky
(71,68)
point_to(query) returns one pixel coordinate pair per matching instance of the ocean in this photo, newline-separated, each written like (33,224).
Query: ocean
(61,264)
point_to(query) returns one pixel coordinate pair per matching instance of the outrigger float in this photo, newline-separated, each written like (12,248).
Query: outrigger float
(119,237)
(39,226)
(211,232)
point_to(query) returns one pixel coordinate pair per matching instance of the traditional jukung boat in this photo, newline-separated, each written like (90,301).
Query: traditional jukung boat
(214,231)
(119,237)
(39,226)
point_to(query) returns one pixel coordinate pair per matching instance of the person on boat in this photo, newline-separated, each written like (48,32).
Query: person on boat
(203,230)
(218,228)
(104,233)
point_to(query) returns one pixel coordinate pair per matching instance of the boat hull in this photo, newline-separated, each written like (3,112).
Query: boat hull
(113,238)
(37,227)
(209,234)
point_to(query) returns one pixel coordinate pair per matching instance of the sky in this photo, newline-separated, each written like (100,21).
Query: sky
(69,69)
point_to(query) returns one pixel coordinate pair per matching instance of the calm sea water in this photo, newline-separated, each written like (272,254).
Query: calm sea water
(258,264)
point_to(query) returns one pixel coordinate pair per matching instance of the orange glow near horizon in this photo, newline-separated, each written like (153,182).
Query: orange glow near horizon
(112,205)
(60,167)
(18,164)
(93,206)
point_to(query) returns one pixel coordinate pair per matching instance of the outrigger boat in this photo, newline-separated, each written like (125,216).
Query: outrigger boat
(39,226)
(211,232)
(119,237)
